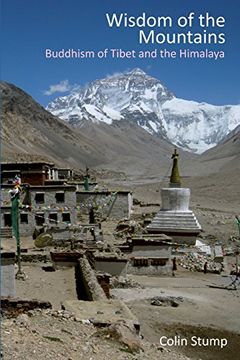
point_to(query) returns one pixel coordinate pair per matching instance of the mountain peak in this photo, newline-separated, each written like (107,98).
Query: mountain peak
(137,71)
(142,99)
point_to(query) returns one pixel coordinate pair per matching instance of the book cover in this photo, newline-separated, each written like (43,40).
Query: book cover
(120,130)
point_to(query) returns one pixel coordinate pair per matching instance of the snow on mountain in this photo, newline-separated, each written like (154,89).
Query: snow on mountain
(137,97)
(198,126)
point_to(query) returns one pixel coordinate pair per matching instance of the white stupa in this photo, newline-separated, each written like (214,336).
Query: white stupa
(174,218)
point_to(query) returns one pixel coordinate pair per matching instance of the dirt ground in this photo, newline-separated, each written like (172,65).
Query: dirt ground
(56,286)
(205,312)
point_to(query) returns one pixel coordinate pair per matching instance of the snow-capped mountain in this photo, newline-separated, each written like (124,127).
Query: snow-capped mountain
(137,97)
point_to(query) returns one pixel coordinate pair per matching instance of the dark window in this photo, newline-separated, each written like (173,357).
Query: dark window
(66,217)
(7,220)
(140,262)
(39,198)
(158,262)
(61,176)
(24,218)
(53,218)
(39,219)
(60,197)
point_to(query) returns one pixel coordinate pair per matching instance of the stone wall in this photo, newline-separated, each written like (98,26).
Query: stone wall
(150,269)
(114,205)
(27,219)
(87,281)
(49,192)
(14,307)
(25,228)
(35,258)
(81,232)
(51,206)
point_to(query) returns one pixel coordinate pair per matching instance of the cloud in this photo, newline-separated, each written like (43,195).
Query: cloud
(115,74)
(63,86)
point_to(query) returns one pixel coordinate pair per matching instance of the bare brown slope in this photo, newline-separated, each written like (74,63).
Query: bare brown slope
(226,155)
(28,129)
(130,148)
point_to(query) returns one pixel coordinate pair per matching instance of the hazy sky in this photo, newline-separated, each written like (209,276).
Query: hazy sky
(31,26)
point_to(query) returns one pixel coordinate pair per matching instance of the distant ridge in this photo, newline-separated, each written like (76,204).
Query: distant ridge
(143,100)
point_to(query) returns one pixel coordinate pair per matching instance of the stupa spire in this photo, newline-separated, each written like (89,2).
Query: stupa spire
(175,180)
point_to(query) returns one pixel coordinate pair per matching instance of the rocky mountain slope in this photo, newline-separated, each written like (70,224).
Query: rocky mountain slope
(143,100)
(28,129)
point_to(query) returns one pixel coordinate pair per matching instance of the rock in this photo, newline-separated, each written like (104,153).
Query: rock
(31,313)
(23,320)
(44,240)
(66,316)
(123,333)
(124,283)
(195,262)
(165,301)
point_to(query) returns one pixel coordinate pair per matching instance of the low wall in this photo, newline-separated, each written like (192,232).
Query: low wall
(35,258)
(87,283)
(15,307)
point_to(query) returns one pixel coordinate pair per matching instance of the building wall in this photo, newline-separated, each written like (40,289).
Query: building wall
(147,255)
(114,268)
(50,197)
(27,229)
(116,207)
(33,178)
(32,173)
(49,206)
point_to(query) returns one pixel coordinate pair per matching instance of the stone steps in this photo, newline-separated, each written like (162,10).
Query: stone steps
(175,214)
(174,225)
(174,221)
(179,221)
(6,233)
(177,227)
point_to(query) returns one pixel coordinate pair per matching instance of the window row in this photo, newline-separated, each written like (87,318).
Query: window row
(52,218)
(39,218)
(140,262)
(40,197)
